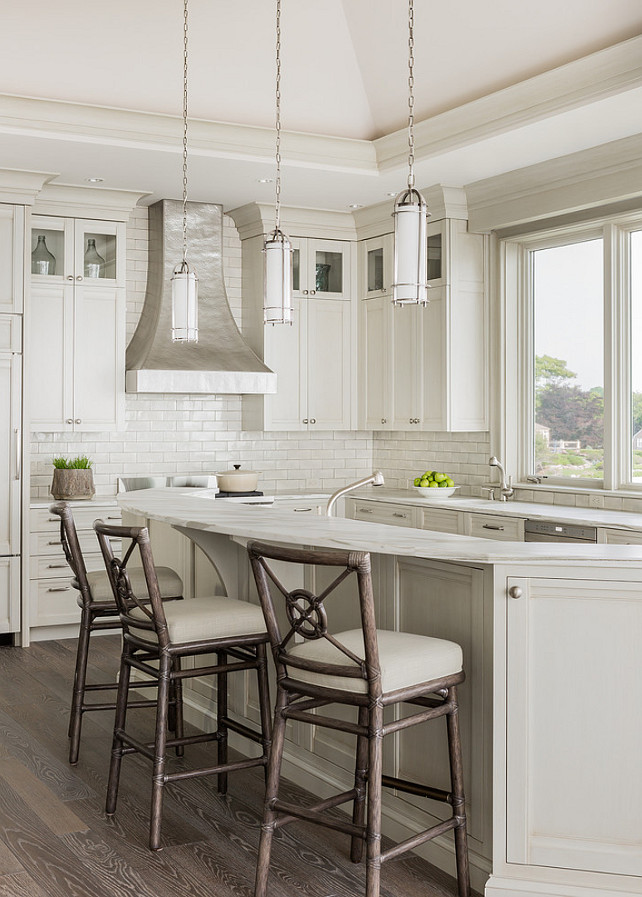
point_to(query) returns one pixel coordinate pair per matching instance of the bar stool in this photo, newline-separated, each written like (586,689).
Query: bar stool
(371,670)
(98,612)
(167,633)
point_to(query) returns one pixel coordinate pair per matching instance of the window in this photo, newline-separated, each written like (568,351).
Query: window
(572,409)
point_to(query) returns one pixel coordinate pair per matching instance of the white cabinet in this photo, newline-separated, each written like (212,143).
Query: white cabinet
(322,268)
(12,224)
(312,361)
(77,336)
(434,358)
(10,470)
(495,526)
(573,689)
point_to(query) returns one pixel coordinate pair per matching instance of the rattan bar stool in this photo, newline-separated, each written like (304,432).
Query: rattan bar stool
(368,669)
(98,612)
(165,634)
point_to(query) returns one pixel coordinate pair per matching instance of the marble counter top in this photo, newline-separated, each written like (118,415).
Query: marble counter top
(184,508)
(531,510)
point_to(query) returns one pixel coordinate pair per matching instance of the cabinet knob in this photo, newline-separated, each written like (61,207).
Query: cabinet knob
(70,277)
(313,292)
(313,420)
(383,289)
(79,277)
(384,420)
(78,421)
(515,592)
(305,420)
(69,420)
(305,292)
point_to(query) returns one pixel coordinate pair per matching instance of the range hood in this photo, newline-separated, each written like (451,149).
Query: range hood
(220,362)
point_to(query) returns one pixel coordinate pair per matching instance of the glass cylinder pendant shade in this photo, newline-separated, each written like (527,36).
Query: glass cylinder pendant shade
(410,284)
(277,300)
(184,305)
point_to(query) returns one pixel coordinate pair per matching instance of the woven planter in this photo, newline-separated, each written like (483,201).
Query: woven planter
(72,484)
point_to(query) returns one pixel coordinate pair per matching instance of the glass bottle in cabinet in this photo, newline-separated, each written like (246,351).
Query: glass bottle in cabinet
(94,263)
(42,261)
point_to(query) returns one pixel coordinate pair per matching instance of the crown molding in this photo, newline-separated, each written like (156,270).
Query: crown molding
(607,174)
(99,203)
(257,219)
(152,131)
(21,187)
(606,73)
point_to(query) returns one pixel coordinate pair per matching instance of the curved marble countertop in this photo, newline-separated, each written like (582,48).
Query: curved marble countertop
(185,508)
(523,509)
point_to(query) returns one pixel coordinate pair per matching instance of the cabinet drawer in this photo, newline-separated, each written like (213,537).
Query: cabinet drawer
(378,512)
(49,545)
(42,521)
(53,601)
(10,333)
(441,520)
(620,536)
(489,526)
(56,567)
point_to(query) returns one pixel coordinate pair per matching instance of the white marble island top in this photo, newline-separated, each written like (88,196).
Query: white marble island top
(186,509)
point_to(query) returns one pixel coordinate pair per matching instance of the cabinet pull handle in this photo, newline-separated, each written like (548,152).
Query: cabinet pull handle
(52,519)
(60,589)
(55,566)
(492,526)
(116,517)
(515,592)
(298,510)
(396,514)
(366,511)
(55,543)
(18,436)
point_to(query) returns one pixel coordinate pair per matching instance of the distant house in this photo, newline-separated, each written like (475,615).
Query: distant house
(545,433)
(637,440)
(565,445)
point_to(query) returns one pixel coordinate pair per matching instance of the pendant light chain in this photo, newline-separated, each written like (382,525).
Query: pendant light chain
(277,223)
(411,94)
(185,132)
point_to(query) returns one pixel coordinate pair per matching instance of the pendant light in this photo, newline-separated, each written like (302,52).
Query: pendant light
(184,281)
(410,286)
(277,298)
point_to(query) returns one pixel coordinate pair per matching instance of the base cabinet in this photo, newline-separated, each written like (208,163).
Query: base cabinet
(573,715)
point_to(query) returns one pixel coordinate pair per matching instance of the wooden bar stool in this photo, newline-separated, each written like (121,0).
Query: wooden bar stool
(371,670)
(156,636)
(98,612)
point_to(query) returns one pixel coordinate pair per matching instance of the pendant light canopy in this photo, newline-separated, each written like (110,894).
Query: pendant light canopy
(277,299)
(410,284)
(184,281)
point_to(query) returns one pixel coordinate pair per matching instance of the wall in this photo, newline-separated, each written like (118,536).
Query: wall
(180,434)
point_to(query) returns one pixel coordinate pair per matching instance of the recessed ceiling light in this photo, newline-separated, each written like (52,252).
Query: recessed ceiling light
(94,180)
(391,194)
(265,180)
(355,205)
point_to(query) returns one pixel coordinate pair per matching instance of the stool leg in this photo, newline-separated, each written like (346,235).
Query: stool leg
(160,740)
(360,773)
(375,771)
(271,795)
(264,704)
(119,726)
(457,788)
(177,696)
(221,717)
(80,678)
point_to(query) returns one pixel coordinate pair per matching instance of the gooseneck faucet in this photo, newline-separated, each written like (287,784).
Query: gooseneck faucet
(375,479)
(505,488)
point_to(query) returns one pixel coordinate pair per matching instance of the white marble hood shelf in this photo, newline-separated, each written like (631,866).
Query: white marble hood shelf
(180,508)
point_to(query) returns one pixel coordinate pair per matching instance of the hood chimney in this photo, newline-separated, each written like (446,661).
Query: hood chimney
(220,362)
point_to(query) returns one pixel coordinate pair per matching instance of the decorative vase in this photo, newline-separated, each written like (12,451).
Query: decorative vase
(322,278)
(42,261)
(71,484)
(94,263)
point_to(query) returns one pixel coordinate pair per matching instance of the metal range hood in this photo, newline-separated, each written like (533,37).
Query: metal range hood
(220,362)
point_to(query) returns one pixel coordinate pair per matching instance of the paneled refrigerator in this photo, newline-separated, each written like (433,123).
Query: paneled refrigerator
(10,470)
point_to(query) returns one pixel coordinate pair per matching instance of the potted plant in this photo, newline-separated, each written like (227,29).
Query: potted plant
(73,479)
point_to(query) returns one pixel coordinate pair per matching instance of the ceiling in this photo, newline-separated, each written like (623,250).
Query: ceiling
(96,90)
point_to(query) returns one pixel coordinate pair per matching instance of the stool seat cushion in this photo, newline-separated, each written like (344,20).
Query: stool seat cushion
(405,660)
(170,583)
(201,619)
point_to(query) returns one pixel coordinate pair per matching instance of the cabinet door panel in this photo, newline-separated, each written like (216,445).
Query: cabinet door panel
(51,357)
(573,719)
(11,258)
(9,594)
(406,357)
(434,335)
(10,401)
(328,358)
(375,392)
(285,354)
(99,358)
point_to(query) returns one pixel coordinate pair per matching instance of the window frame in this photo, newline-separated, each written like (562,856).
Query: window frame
(514,393)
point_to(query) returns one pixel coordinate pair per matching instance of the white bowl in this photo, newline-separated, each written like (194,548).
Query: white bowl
(435,491)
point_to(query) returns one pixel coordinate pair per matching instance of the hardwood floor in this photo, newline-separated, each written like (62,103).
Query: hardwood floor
(55,840)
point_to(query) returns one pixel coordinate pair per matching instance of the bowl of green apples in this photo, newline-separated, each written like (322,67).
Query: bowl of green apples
(434,484)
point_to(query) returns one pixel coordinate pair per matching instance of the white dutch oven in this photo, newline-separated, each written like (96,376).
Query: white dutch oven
(237,480)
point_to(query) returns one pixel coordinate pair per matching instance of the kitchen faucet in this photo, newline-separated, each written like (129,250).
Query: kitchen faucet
(505,488)
(375,479)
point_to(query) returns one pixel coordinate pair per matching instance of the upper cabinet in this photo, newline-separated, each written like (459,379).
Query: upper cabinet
(12,224)
(77,334)
(321,269)
(425,368)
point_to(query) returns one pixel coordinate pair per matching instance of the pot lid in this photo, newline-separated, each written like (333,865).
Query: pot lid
(238,471)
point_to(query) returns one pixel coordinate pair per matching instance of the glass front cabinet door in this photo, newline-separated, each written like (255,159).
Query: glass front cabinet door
(321,268)
(73,250)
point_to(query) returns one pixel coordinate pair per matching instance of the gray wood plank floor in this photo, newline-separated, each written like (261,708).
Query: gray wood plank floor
(55,840)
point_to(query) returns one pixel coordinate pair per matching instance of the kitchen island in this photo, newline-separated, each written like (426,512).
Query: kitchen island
(550,710)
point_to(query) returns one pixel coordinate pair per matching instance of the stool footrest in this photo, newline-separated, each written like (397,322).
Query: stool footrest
(416,840)
(214,770)
(313,814)
(416,788)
